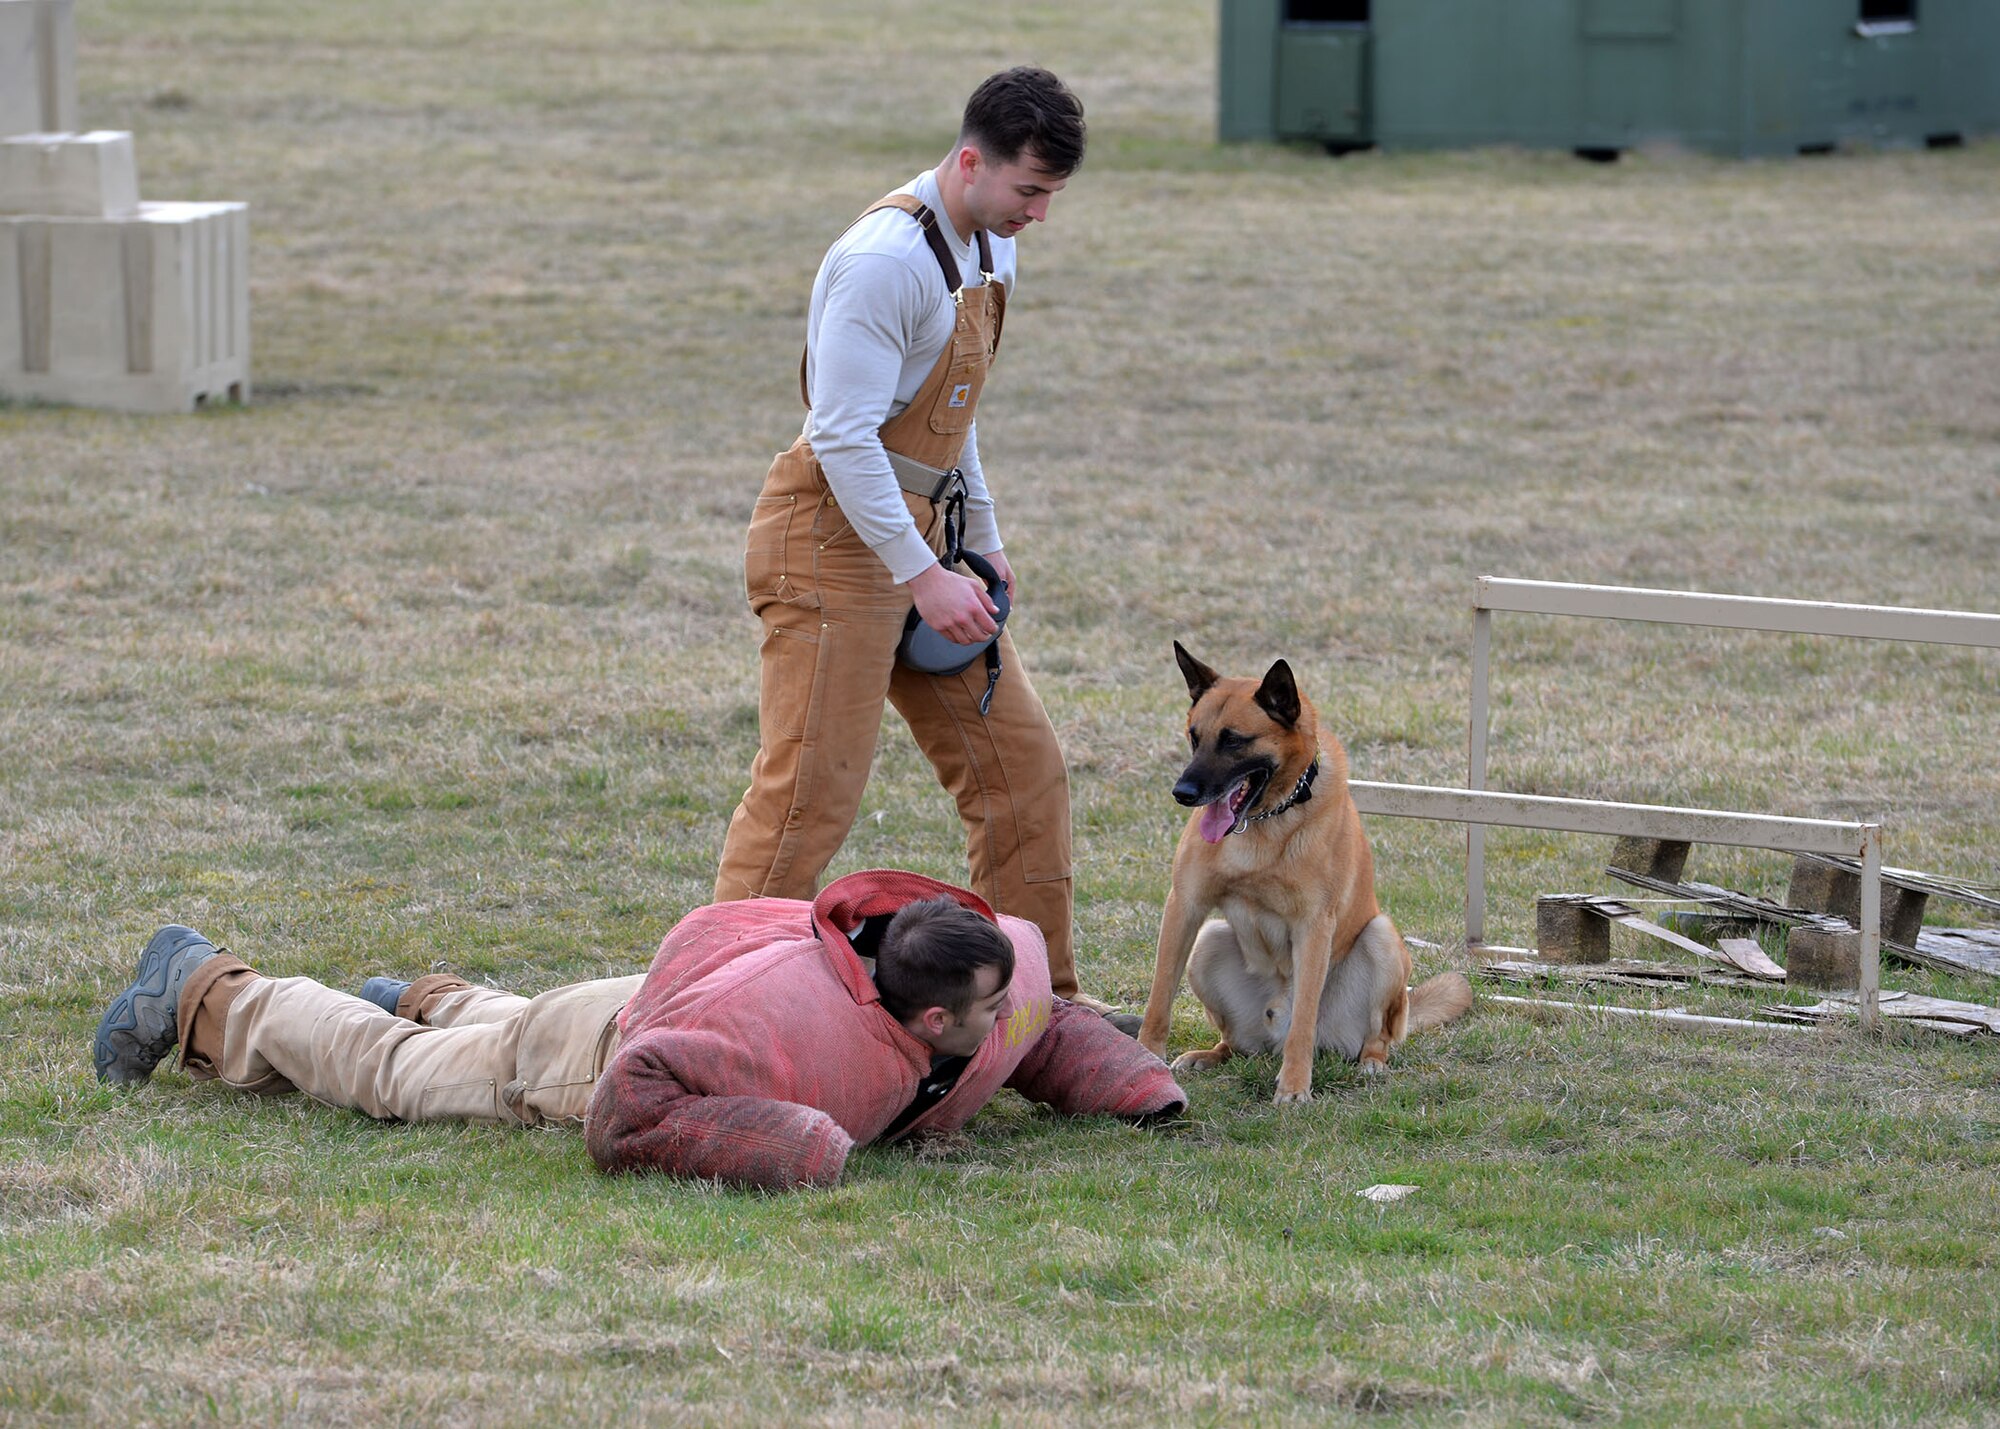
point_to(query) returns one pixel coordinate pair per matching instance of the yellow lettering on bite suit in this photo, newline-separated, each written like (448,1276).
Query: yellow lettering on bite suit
(1026,1022)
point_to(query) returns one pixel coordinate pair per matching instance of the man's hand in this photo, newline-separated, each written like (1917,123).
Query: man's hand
(955,606)
(998,560)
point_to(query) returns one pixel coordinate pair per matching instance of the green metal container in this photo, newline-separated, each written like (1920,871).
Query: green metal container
(1291,71)
(1738,77)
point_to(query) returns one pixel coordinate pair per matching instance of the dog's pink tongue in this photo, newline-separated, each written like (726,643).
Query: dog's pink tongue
(1217,820)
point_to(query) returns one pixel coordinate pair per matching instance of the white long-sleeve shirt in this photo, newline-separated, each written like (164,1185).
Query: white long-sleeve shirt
(879,317)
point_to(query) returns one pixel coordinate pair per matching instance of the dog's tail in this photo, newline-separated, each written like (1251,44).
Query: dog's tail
(1436,1001)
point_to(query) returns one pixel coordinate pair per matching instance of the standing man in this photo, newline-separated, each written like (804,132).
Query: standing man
(845,538)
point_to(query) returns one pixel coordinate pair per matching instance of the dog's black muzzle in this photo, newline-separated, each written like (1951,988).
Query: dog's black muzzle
(1201,784)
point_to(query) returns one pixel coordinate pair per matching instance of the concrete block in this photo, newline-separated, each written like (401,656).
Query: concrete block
(37,66)
(1567,931)
(1818,957)
(1829,888)
(69,175)
(1657,858)
(146,314)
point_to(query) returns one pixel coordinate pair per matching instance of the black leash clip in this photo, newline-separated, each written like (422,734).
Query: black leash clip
(924,649)
(992,677)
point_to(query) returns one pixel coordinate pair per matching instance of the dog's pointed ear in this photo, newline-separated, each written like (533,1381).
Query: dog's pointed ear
(1278,696)
(1199,676)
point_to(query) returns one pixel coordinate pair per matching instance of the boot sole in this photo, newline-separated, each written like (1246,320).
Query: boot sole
(123,1051)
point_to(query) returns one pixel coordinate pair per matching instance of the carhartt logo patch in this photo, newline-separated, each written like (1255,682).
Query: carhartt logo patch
(960,395)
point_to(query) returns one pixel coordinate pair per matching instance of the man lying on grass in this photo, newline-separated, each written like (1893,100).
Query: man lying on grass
(758,1050)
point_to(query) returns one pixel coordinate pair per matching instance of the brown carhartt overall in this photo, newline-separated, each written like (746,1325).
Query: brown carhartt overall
(832,617)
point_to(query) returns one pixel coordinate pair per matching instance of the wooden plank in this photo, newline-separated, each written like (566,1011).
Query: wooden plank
(1594,974)
(1916,882)
(1948,949)
(1613,911)
(1668,935)
(1625,972)
(1749,955)
(1669,1017)
(1915,1005)
(1824,1012)
(1744,905)
(1971,937)
(1970,950)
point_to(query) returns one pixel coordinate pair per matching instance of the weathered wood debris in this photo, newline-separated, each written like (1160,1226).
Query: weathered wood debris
(1904,893)
(1939,1014)
(1821,915)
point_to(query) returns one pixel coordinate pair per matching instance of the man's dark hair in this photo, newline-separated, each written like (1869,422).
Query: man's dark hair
(1026,109)
(930,955)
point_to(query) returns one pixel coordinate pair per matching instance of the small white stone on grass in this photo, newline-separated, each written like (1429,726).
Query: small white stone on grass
(1382,1195)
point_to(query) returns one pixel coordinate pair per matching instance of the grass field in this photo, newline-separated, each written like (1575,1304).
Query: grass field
(437,652)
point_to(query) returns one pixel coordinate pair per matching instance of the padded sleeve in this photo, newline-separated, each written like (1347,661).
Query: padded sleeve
(642,1118)
(1083,1066)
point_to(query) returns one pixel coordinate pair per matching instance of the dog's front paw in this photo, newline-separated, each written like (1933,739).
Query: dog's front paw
(1194,1062)
(1374,1069)
(1295,1080)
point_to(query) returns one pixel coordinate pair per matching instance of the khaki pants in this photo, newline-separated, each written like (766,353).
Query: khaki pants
(481,1056)
(832,618)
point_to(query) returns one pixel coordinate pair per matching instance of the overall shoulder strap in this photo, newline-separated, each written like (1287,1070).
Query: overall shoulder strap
(926,220)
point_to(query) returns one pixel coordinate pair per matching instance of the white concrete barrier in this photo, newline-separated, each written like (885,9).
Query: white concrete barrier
(37,66)
(145,314)
(105,301)
(69,175)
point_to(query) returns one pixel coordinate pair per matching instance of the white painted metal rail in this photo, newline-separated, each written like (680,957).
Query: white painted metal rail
(1740,612)
(1672,607)
(1483,807)
(1479,808)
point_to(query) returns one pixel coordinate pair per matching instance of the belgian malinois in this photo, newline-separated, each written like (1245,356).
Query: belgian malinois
(1302,957)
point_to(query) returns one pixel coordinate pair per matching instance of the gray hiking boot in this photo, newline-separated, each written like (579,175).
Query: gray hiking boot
(1126,1022)
(385,992)
(142,1024)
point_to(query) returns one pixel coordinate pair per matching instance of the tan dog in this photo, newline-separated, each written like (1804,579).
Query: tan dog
(1302,957)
